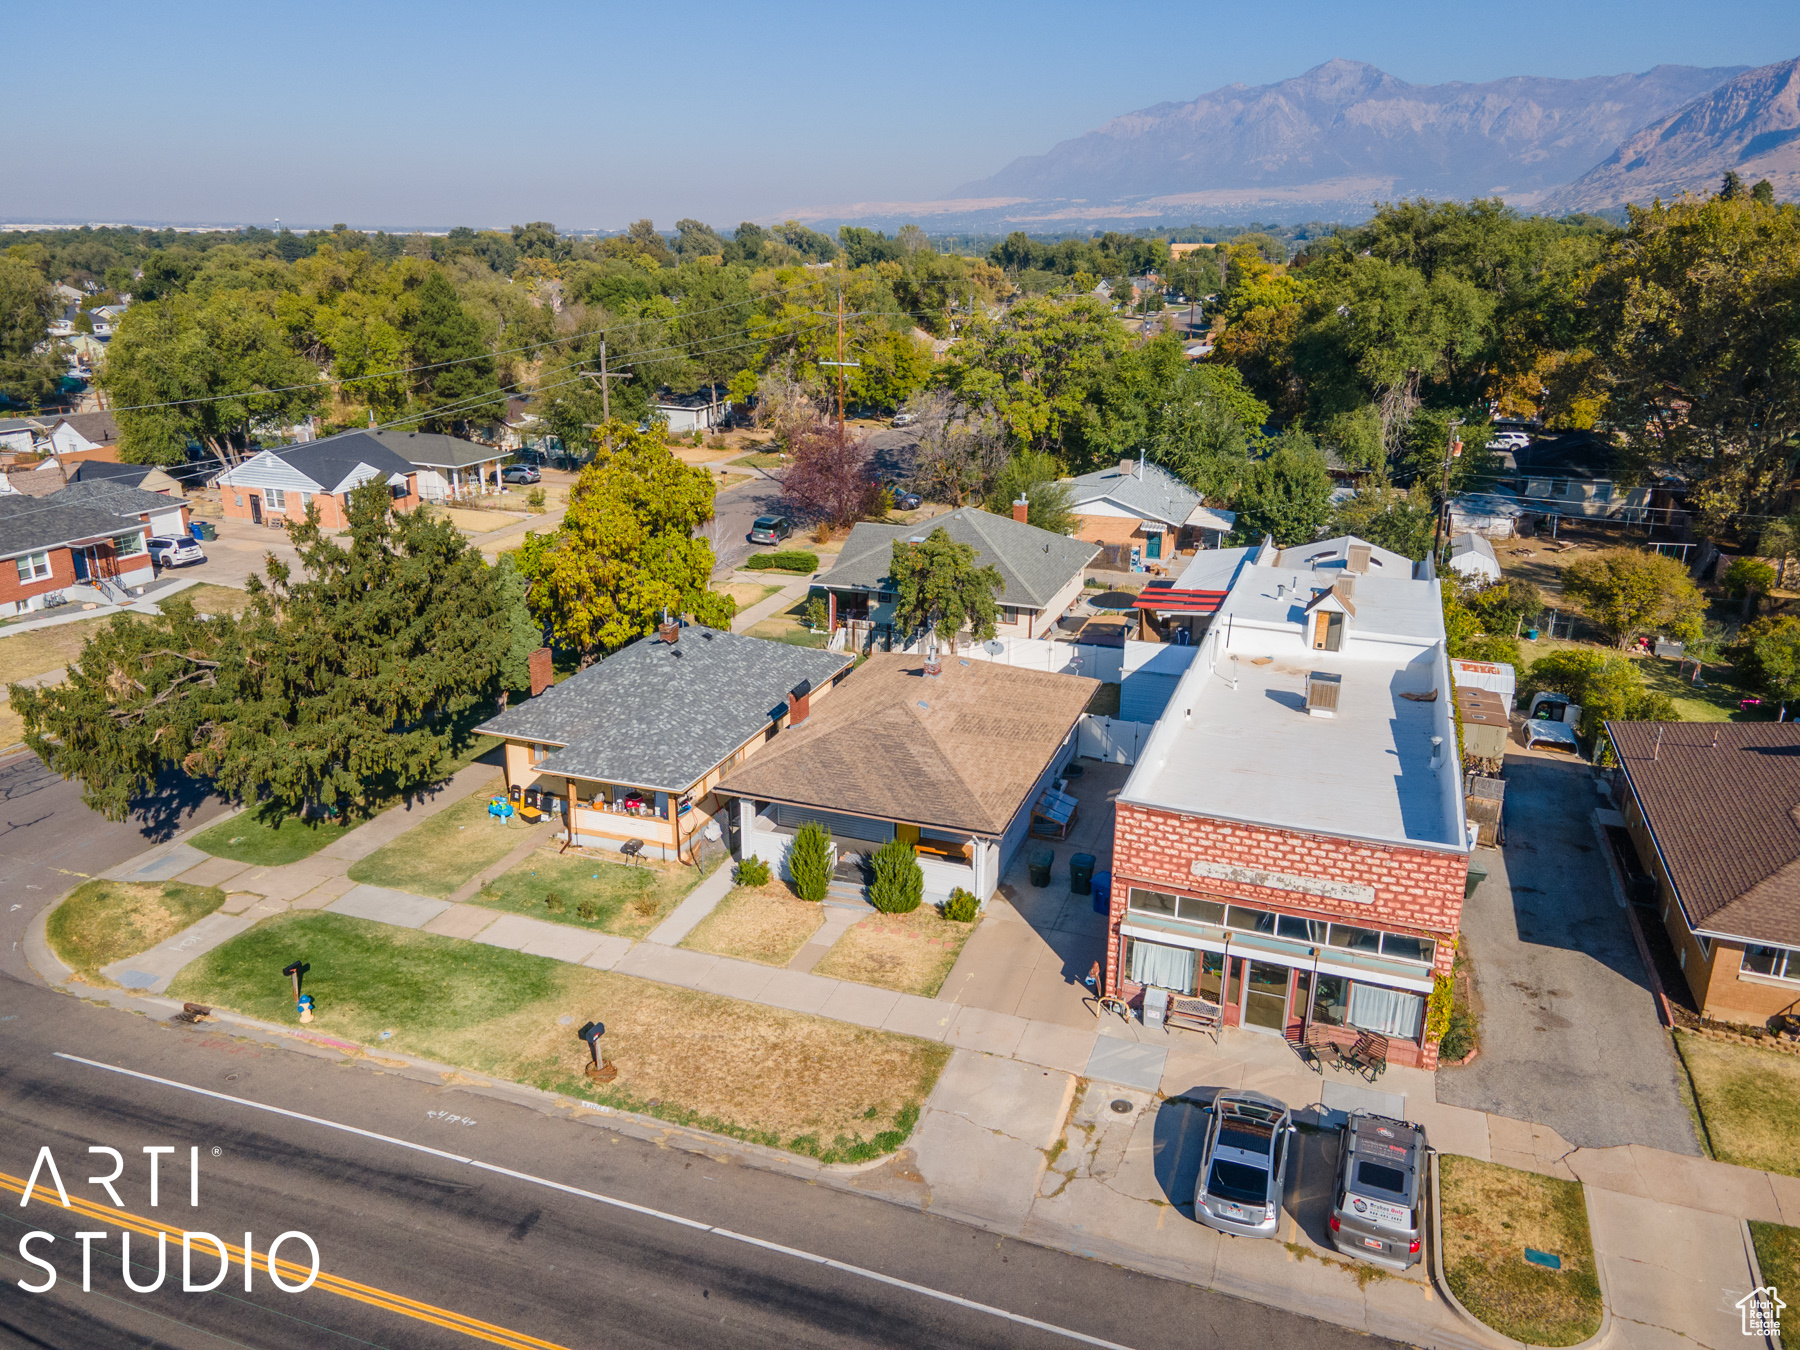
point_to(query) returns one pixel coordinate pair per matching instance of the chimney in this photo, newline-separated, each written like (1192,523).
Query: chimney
(1021,509)
(799,702)
(538,663)
(668,631)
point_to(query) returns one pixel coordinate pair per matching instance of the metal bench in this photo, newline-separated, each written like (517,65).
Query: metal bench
(1194,1014)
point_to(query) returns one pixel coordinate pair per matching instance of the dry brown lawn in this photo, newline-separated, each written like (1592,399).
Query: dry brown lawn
(38,652)
(912,953)
(767,924)
(478,522)
(106,921)
(747,593)
(210,599)
(1491,1215)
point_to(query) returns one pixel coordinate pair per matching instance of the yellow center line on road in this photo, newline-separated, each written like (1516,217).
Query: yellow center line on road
(293,1272)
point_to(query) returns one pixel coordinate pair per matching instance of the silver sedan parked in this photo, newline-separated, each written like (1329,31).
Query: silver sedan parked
(1243,1164)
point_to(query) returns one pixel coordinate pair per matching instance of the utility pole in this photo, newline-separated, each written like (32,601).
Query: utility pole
(605,380)
(1452,450)
(840,363)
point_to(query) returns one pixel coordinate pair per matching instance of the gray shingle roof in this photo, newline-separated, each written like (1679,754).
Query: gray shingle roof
(430,450)
(662,716)
(330,461)
(1158,495)
(92,470)
(1034,564)
(120,499)
(98,427)
(29,523)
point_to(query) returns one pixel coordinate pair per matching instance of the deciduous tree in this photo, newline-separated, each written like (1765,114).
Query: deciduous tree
(827,476)
(1626,593)
(941,588)
(28,365)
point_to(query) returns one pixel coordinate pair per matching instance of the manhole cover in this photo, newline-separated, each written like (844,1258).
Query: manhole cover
(1120,1105)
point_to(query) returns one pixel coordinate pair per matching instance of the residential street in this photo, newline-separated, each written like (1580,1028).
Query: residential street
(1569,1035)
(515,1249)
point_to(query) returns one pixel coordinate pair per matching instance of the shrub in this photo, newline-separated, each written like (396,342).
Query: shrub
(752,871)
(587,911)
(1459,1039)
(809,860)
(534,500)
(818,615)
(783,560)
(962,906)
(899,880)
(821,533)
(553,902)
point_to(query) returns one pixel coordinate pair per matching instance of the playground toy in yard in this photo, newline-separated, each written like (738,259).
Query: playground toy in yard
(500,809)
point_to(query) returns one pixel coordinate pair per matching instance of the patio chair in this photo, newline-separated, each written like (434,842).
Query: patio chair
(1368,1056)
(1318,1049)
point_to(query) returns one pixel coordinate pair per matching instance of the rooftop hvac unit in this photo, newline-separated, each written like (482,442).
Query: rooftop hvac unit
(1356,557)
(1322,689)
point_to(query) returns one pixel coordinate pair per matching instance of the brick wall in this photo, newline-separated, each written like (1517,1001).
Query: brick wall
(12,590)
(1417,891)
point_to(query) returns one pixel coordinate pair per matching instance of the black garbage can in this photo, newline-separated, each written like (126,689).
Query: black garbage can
(1103,892)
(1081,874)
(1040,863)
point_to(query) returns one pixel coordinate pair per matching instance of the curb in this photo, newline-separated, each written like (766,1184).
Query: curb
(1496,1338)
(1773,1342)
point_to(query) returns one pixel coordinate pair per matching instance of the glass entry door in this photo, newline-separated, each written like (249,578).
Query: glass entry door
(1266,997)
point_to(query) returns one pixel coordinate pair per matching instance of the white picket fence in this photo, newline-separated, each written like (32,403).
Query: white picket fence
(1110,740)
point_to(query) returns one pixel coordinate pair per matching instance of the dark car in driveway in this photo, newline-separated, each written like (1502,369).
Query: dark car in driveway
(1376,1213)
(1243,1164)
(770,529)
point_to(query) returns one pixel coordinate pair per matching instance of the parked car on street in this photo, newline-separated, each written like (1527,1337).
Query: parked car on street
(1376,1213)
(520,473)
(904,419)
(174,551)
(1243,1164)
(770,529)
(904,500)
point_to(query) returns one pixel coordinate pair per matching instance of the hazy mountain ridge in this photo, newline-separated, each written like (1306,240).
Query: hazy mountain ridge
(1750,125)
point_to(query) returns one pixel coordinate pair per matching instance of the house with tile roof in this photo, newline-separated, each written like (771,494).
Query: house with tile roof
(1142,508)
(634,746)
(1713,811)
(276,486)
(1041,572)
(952,762)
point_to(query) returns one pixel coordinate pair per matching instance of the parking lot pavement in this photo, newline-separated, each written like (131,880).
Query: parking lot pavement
(1569,1031)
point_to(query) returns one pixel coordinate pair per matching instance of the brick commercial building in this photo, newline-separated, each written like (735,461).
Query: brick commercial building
(1713,810)
(1292,843)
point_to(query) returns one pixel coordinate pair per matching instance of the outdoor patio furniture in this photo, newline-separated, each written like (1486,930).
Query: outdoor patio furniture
(1194,1014)
(1316,1048)
(1368,1056)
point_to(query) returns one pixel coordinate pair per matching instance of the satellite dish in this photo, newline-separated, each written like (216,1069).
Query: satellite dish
(993,646)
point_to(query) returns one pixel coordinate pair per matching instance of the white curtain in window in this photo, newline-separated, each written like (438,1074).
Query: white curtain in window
(1165,967)
(1390,1012)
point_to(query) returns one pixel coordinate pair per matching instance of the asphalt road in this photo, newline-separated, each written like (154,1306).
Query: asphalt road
(587,1237)
(737,507)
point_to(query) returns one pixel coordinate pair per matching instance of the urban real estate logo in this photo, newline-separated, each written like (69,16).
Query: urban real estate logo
(199,1250)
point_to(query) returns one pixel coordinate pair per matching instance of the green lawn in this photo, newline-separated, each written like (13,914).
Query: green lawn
(441,852)
(1491,1214)
(106,921)
(1777,1253)
(1749,1100)
(590,892)
(248,839)
(762,459)
(827,1089)
(1716,700)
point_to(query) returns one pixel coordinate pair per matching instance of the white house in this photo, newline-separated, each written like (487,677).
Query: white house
(701,410)
(1472,558)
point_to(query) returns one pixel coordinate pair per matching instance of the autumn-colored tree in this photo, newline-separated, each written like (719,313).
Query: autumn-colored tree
(626,550)
(827,477)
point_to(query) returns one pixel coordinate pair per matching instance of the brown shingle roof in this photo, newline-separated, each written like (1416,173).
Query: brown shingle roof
(960,751)
(1722,800)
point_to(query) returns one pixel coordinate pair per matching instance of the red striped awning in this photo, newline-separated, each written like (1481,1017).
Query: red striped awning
(1168,600)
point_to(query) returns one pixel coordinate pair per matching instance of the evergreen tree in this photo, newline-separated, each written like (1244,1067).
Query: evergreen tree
(454,373)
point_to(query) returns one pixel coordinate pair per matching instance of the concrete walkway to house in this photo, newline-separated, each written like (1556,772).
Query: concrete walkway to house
(786,598)
(1033,1065)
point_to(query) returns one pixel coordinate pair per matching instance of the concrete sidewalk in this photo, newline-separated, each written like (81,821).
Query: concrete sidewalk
(788,596)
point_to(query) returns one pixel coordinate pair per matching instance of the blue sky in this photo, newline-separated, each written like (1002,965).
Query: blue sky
(591,115)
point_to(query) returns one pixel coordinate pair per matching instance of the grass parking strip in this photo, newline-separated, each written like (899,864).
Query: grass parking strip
(106,921)
(830,1090)
(1491,1214)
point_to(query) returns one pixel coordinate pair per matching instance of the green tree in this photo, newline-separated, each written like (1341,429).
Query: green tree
(340,686)
(1389,518)
(941,589)
(1033,476)
(1751,578)
(455,379)
(1286,493)
(626,551)
(216,368)
(525,635)
(1607,687)
(809,861)
(1626,592)
(1033,364)
(899,882)
(893,368)
(28,364)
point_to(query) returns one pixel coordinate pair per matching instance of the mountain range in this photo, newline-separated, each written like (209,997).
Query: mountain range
(1328,144)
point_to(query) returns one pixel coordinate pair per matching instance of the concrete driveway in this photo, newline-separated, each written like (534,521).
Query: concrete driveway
(1569,1032)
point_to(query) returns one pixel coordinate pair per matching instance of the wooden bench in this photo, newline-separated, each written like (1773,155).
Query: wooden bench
(1194,1014)
(1368,1056)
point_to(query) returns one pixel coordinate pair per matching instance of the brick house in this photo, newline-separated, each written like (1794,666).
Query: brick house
(46,547)
(276,486)
(1292,842)
(1713,810)
(1143,508)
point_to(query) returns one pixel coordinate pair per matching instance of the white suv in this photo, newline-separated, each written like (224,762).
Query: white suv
(1509,439)
(172,551)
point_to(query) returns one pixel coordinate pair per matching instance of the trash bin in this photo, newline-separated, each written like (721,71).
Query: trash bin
(1477,875)
(1531,634)
(1081,874)
(1040,862)
(203,530)
(1103,892)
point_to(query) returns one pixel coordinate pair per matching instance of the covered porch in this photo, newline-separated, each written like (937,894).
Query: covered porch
(609,815)
(949,860)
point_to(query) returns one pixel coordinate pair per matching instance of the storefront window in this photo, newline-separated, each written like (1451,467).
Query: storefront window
(1152,902)
(1403,948)
(1166,967)
(1331,1004)
(1302,930)
(1212,974)
(1202,911)
(1355,939)
(1250,920)
(1778,962)
(1387,1012)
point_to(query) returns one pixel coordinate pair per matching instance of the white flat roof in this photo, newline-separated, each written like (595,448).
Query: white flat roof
(1254,754)
(1389,607)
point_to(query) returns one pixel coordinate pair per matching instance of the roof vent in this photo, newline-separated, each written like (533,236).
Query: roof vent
(1344,586)
(1357,557)
(1322,690)
(1128,468)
